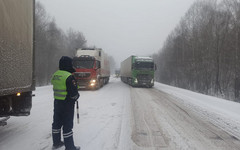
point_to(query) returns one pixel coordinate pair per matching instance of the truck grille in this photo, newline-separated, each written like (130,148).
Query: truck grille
(83,82)
(144,78)
(82,74)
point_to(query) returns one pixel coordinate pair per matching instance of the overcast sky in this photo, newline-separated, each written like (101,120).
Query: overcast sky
(120,27)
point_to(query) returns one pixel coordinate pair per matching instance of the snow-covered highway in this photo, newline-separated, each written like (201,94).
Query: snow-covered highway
(119,117)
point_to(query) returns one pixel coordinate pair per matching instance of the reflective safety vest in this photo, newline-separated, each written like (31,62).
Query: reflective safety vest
(59,84)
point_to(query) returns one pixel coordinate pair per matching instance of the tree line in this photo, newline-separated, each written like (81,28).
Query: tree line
(51,42)
(203,52)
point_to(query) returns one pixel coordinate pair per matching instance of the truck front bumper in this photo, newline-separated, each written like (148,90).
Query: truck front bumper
(87,84)
(143,82)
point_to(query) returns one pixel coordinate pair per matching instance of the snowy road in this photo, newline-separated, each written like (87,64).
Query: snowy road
(161,122)
(119,117)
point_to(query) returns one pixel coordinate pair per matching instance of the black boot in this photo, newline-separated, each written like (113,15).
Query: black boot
(77,147)
(57,145)
(69,144)
(57,139)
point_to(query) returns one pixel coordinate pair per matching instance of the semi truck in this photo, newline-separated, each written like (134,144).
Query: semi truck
(92,68)
(17,58)
(138,71)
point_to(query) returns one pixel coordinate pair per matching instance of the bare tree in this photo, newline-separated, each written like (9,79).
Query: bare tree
(202,52)
(75,40)
(51,43)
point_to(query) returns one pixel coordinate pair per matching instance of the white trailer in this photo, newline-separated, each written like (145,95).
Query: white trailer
(17,57)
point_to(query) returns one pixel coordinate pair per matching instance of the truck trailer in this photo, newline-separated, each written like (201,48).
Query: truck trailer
(17,58)
(92,68)
(138,71)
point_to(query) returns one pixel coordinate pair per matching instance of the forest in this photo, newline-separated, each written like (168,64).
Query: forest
(51,42)
(202,53)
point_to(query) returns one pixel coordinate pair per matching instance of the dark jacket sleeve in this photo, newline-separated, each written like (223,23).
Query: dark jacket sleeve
(72,88)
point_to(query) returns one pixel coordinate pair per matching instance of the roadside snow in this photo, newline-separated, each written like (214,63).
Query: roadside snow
(105,118)
(104,121)
(222,113)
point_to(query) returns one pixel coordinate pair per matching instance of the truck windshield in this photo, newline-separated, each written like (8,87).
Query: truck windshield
(144,65)
(84,64)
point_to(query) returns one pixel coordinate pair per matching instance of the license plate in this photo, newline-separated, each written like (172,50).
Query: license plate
(81,87)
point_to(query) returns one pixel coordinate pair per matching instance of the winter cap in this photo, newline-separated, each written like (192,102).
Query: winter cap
(65,63)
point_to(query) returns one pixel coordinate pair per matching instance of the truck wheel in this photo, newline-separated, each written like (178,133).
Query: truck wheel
(107,80)
(101,82)
(4,106)
(97,85)
(104,81)
(22,105)
(150,85)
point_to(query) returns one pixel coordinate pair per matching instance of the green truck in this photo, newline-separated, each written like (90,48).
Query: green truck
(138,71)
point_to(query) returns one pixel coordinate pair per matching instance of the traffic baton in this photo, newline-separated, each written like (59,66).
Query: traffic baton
(77,113)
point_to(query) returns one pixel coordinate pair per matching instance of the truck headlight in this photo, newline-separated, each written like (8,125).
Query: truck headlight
(152,81)
(136,81)
(93,81)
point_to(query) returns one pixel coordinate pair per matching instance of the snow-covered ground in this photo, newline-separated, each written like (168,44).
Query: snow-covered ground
(105,118)
(222,113)
(103,121)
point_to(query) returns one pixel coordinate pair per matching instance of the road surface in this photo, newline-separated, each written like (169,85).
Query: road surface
(160,121)
(120,117)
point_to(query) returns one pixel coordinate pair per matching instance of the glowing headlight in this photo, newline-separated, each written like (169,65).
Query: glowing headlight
(93,81)
(92,84)
(18,94)
(136,81)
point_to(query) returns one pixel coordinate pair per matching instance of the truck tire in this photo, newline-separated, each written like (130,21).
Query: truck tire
(22,105)
(4,106)
(97,85)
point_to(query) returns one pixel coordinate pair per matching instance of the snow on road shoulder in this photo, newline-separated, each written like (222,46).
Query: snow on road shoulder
(222,113)
(33,131)
(105,118)
(104,121)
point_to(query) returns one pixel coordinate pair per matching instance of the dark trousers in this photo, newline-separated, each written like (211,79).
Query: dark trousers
(63,118)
